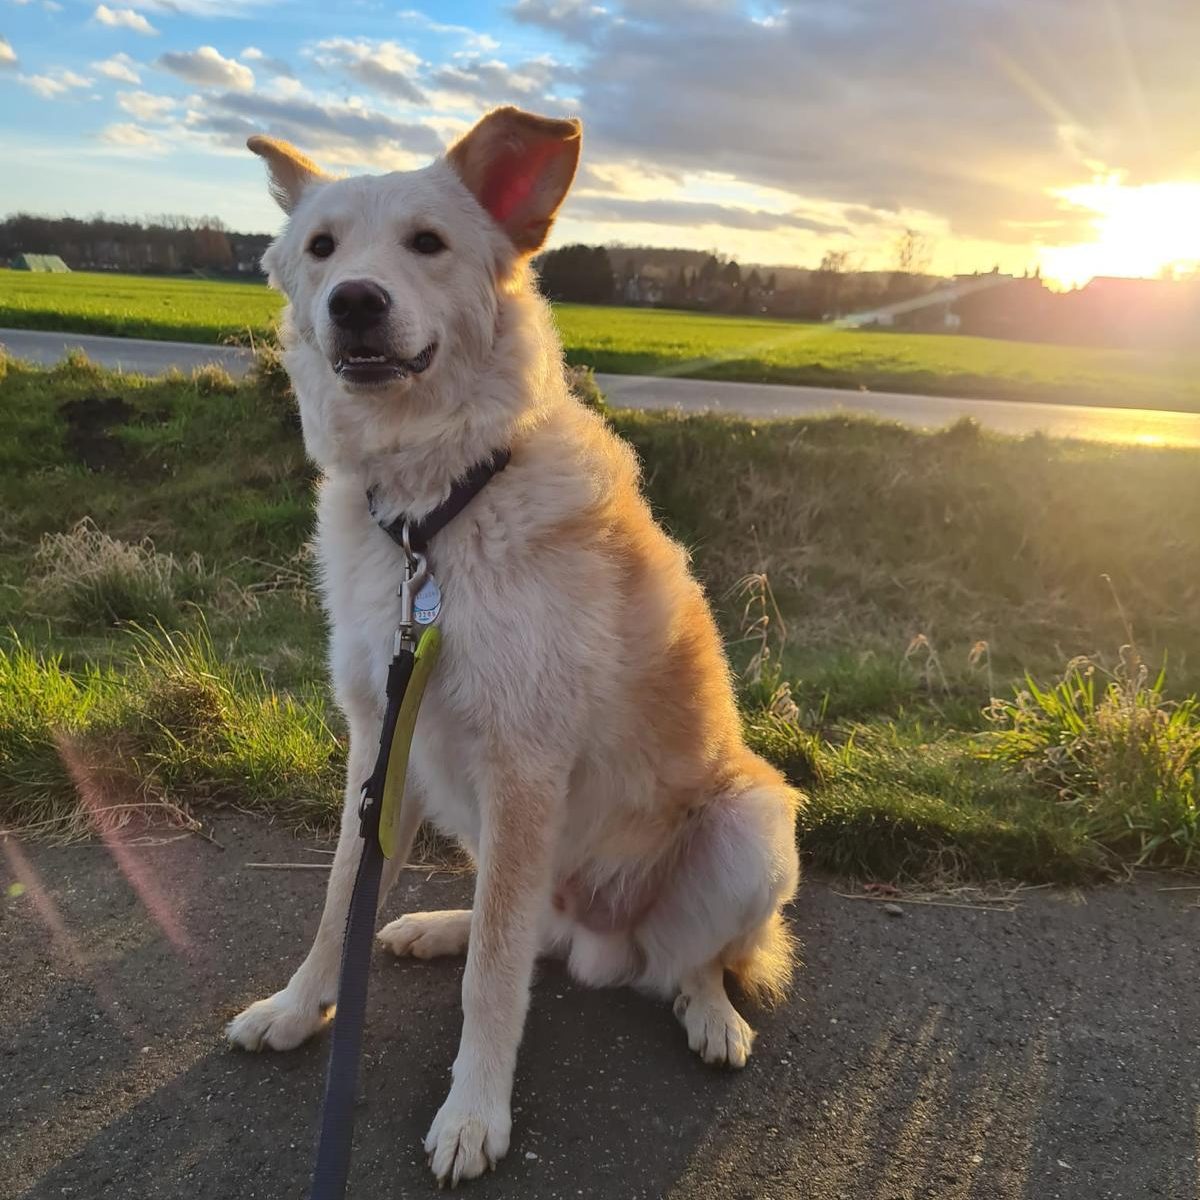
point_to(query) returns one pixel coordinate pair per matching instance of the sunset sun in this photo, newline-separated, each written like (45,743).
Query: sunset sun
(1142,230)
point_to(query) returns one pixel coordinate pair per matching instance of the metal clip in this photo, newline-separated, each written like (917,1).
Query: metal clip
(416,569)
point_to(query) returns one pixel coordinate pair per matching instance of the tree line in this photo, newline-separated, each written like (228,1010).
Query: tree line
(707,282)
(157,245)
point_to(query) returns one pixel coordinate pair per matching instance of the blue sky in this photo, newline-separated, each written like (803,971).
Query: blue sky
(769,131)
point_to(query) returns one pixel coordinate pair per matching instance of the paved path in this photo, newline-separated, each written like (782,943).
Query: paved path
(1049,1053)
(1148,426)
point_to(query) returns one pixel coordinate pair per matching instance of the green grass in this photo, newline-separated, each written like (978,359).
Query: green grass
(645,341)
(877,586)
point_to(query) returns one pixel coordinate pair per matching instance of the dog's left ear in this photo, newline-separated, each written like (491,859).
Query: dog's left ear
(519,167)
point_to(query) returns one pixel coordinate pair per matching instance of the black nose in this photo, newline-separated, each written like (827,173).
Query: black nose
(358,304)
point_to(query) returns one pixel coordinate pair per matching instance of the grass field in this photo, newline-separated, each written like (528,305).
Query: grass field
(647,341)
(878,588)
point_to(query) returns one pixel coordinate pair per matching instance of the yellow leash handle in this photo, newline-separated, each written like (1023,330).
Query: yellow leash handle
(406,723)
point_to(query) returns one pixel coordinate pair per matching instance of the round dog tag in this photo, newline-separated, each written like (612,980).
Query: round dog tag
(428,602)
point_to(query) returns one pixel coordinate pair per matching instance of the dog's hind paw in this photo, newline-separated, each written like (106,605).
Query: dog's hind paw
(428,934)
(467,1138)
(276,1023)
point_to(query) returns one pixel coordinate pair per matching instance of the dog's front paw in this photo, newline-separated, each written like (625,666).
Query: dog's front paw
(468,1136)
(715,1030)
(280,1022)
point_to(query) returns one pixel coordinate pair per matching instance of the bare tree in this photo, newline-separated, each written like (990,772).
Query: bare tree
(914,253)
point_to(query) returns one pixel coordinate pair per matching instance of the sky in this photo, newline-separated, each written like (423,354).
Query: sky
(1060,135)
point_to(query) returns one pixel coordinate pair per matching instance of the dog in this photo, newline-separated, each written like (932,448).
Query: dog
(580,735)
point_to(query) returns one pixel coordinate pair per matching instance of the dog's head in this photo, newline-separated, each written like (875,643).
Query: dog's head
(389,276)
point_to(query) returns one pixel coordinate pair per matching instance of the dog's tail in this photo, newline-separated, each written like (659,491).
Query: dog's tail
(763,961)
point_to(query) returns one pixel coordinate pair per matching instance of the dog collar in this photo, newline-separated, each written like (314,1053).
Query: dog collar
(421,533)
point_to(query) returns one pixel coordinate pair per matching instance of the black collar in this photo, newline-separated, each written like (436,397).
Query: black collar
(462,492)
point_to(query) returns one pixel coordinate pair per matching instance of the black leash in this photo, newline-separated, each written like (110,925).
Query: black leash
(341,1081)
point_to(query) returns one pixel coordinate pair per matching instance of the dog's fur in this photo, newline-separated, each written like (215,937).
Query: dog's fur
(580,736)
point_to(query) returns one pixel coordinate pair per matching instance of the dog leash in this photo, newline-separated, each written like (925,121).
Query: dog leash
(411,665)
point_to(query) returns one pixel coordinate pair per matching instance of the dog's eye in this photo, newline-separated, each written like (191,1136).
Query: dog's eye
(426,242)
(321,246)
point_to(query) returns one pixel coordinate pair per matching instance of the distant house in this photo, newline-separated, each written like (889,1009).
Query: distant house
(1007,306)
(39,262)
(1136,312)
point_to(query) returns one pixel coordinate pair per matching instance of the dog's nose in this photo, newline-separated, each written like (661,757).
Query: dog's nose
(358,304)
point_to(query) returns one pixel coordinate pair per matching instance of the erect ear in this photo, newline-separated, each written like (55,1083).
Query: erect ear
(289,171)
(519,167)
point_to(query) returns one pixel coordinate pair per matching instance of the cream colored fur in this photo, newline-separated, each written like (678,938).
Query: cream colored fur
(579,736)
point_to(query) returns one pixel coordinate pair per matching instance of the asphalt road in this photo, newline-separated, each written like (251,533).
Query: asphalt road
(1147,426)
(1048,1053)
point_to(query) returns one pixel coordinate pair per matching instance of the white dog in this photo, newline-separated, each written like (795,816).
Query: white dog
(580,736)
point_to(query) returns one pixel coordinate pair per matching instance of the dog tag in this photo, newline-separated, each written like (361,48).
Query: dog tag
(428,603)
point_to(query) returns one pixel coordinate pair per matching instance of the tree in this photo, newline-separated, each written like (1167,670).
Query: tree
(830,281)
(914,253)
(580,273)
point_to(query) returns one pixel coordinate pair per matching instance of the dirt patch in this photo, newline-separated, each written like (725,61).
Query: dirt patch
(90,422)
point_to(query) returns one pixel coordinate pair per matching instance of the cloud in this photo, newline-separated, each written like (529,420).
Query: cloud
(692,213)
(574,20)
(124,18)
(131,137)
(972,113)
(8,56)
(222,9)
(50,87)
(474,40)
(120,67)
(334,133)
(207,67)
(273,66)
(386,67)
(145,106)
(494,82)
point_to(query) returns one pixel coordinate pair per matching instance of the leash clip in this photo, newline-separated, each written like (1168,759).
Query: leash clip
(416,569)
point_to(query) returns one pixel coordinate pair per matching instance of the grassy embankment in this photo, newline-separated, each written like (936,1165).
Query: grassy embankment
(643,341)
(915,576)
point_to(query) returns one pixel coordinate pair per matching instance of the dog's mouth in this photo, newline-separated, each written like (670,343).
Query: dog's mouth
(363,367)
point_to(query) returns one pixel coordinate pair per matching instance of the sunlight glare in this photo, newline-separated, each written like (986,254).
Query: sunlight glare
(1144,230)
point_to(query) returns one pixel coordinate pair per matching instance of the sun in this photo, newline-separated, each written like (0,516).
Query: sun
(1144,230)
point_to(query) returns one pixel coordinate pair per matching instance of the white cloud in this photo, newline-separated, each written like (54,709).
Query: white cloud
(124,18)
(349,134)
(207,67)
(223,9)
(8,56)
(120,67)
(494,82)
(479,42)
(145,106)
(131,137)
(274,66)
(50,87)
(385,66)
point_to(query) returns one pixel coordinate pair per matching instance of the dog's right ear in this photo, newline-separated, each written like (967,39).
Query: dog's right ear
(289,171)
